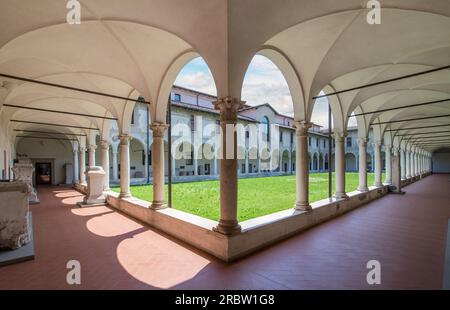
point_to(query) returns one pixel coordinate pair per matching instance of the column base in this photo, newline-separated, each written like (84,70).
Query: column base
(340,196)
(124,195)
(378,184)
(302,206)
(158,205)
(363,189)
(228,228)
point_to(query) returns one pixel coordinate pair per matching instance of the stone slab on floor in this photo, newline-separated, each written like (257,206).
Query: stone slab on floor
(22,254)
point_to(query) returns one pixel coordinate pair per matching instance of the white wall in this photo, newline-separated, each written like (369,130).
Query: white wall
(59,151)
(441,162)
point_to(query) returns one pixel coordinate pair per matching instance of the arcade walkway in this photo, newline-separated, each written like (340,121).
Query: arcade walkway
(407,234)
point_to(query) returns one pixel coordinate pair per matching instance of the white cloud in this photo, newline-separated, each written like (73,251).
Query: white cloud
(200,81)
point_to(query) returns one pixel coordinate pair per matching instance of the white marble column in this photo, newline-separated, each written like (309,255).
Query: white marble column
(115,165)
(228,223)
(76,169)
(104,153)
(413,164)
(82,163)
(339,163)
(290,164)
(388,158)
(174,166)
(124,147)
(91,158)
(403,164)
(158,130)
(362,142)
(408,164)
(378,164)
(247,163)
(301,166)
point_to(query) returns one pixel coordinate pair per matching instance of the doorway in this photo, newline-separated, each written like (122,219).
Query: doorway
(43,173)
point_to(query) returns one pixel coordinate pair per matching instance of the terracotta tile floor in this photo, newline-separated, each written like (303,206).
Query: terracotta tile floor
(405,233)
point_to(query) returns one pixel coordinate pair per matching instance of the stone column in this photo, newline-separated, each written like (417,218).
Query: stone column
(396,180)
(115,165)
(413,164)
(82,163)
(378,164)
(403,164)
(228,223)
(301,166)
(124,147)
(362,142)
(104,148)
(91,158)
(339,163)
(408,164)
(388,153)
(76,169)
(158,130)
(174,166)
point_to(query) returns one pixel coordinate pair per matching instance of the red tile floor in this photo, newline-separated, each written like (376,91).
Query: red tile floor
(407,234)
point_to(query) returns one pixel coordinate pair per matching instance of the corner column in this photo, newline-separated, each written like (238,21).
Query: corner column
(378,164)
(228,223)
(362,142)
(158,130)
(388,153)
(124,147)
(339,163)
(104,152)
(302,167)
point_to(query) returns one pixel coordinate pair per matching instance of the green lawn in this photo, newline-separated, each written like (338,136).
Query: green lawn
(256,197)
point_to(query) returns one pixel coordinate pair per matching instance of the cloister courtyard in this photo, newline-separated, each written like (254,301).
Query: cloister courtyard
(225,144)
(257,196)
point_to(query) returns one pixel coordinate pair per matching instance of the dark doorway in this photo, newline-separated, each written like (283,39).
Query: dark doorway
(43,173)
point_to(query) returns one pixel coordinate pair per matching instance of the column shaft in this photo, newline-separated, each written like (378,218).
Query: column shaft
(158,130)
(104,147)
(378,164)
(301,166)
(362,142)
(340,166)
(82,163)
(388,153)
(76,169)
(124,166)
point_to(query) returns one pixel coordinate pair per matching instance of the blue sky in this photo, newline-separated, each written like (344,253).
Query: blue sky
(263,83)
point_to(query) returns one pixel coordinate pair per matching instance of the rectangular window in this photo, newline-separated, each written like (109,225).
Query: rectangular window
(309,141)
(292,138)
(317,142)
(217,126)
(192,122)
(349,142)
(281,137)
(177,97)
(190,161)
(143,158)
(247,133)
(324,143)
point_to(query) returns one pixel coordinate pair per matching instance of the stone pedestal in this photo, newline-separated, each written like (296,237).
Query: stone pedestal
(95,182)
(23,172)
(14,228)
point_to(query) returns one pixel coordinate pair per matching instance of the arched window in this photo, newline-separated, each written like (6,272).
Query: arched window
(266,128)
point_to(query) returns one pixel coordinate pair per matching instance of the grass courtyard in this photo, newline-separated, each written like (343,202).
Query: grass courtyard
(256,196)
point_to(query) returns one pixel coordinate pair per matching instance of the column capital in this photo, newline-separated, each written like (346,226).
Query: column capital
(158,129)
(228,107)
(104,145)
(340,136)
(396,150)
(92,147)
(388,147)
(362,141)
(82,149)
(75,151)
(124,139)
(302,127)
(376,144)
